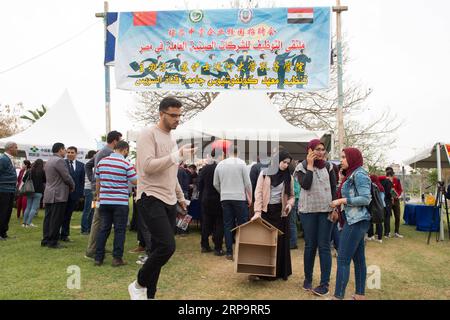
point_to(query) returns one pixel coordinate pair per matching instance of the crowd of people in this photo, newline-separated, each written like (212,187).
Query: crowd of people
(328,202)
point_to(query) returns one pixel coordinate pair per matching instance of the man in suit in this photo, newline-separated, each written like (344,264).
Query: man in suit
(76,171)
(281,60)
(8,182)
(243,64)
(299,62)
(147,71)
(58,186)
(175,64)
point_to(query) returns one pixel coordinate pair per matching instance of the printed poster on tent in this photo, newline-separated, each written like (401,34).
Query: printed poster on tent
(276,49)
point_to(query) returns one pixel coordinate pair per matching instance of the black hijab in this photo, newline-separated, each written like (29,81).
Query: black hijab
(276,175)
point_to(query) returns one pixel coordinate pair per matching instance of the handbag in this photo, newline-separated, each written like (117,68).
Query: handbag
(27,187)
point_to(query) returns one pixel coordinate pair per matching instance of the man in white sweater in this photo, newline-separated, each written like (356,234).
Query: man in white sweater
(232,181)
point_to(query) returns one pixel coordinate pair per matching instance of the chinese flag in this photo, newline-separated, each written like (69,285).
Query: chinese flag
(147,18)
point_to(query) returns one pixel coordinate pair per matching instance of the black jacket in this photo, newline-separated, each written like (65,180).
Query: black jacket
(38,180)
(209,196)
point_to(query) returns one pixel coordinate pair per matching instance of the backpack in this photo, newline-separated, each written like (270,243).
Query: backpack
(375,207)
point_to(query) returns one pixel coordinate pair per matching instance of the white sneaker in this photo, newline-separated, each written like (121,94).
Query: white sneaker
(135,293)
(397,235)
(32,225)
(24,225)
(387,236)
(379,240)
(370,238)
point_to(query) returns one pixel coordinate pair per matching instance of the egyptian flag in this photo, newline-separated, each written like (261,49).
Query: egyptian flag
(300,15)
(147,18)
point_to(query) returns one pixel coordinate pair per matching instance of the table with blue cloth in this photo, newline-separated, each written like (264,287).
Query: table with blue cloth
(421,216)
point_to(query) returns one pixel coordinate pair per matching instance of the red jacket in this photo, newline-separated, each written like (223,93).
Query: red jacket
(397,185)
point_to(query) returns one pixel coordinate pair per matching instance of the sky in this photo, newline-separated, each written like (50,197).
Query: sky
(399,49)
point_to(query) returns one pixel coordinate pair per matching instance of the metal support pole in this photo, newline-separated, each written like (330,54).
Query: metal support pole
(340,113)
(107,74)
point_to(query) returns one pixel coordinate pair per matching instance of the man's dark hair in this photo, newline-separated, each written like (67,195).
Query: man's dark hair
(389,173)
(389,169)
(193,166)
(234,149)
(168,102)
(57,147)
(73,148)
(122,145)
(90,154)
(113,136)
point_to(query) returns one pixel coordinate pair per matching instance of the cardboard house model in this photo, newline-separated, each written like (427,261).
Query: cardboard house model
(256,248)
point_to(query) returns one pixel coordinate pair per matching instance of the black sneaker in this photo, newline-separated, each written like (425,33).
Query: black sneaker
(219,253)
(307,285)
(206,250)
(321,290)
(67,239)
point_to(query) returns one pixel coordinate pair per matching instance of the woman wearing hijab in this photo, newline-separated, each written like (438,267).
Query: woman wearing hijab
(370,234)
(354,195)
(318,189)
(274,200)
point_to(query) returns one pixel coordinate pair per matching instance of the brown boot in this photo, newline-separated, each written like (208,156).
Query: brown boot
(138,249)
(117,262)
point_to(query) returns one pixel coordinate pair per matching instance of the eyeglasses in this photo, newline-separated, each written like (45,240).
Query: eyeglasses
(172,115)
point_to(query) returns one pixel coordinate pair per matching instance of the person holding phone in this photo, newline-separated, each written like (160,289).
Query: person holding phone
(274,199)
(158,193)
(318,188)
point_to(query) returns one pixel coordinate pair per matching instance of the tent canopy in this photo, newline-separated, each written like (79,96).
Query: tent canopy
(250,117)
(54,127)
(428,158)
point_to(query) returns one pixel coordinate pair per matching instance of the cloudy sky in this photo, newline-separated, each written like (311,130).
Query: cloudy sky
(400,49)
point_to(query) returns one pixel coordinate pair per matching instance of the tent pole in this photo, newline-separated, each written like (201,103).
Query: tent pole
(439,177)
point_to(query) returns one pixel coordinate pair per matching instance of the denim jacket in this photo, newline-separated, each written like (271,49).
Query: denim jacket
(357,191)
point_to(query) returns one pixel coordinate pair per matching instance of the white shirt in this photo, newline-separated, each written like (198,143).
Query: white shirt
(74,165)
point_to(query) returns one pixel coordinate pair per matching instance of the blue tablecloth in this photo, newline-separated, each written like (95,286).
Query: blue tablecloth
(422,216)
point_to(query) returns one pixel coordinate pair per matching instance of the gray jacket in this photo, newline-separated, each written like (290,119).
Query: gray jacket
(58,180)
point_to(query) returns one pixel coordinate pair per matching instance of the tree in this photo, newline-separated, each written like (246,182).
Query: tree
(10,120)
(146,112)
(35,115)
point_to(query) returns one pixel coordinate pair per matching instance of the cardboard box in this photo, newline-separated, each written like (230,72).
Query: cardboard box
(256,248)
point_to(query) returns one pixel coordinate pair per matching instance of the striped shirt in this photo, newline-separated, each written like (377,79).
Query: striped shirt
(114,173)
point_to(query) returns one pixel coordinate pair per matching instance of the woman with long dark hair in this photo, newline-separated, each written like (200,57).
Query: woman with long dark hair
(274,200)
(37,175)
(21,200)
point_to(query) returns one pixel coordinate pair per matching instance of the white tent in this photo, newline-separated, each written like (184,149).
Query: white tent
(437,156)
(250,117)
(61,123)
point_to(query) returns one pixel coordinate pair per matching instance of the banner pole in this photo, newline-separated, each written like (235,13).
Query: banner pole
(340,112)
(107,72)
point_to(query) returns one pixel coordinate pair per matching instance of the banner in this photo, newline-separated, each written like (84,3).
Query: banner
(277,49)
(40,152)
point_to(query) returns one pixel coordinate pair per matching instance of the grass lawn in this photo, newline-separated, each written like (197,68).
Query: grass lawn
(410,269)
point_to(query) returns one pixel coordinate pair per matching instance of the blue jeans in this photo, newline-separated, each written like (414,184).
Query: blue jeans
(293,218)
(33,202)
(235,213)
(351,247)
(317,231)
(109,215)
(88,212)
